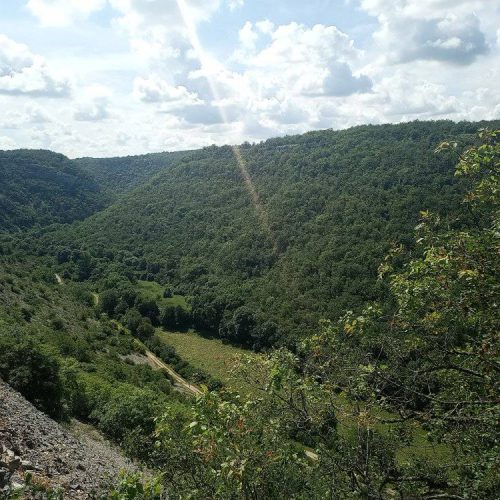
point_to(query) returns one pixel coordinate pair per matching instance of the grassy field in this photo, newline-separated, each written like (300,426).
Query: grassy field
(153,290)
(217,359)
(211,355)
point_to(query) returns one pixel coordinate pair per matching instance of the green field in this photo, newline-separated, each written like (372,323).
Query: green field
(211,355)
(218,359)
(153,290)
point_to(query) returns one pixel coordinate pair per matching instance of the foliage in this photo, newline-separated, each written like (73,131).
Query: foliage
(38,188)
(119,175)
(334,200)
(358,390)
(34,488)
(82,370)
(353,408)
(32,372)
(133,487)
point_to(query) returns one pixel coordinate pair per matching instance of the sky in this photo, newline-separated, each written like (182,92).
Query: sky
(121,77)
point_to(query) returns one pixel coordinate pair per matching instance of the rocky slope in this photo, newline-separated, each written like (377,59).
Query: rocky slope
(31,442)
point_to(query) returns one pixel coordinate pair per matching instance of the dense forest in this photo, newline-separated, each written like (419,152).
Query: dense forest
(364,262)
(119,175)
(39,188)
(334,203)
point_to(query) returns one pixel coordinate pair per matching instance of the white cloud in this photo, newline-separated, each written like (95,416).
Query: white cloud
(25,73)
(265,26)
(248,37)
(7,143)
(298,60)
(422,9)
(297,43)
(405,97)
(63,12)
(93,104)
(35,114)
(157,90)
(428,59)
(441,30)
(235,4)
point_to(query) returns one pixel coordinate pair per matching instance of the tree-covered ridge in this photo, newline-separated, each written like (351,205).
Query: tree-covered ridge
(397,400)
(334,201)
(122,174)
(400,405)
(38,188)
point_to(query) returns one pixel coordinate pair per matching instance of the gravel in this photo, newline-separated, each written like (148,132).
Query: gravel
(30,441)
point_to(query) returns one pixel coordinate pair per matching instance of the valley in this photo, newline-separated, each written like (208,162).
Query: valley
(348,347)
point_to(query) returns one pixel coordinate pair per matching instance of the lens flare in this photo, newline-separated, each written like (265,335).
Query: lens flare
(240,160)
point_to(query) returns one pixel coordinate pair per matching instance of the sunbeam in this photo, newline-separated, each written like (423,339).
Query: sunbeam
(240,160)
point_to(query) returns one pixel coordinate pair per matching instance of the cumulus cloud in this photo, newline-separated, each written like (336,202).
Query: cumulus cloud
(309,61)
(63,12)
(172,93)
(156,90)
(235,4)
(203,114)
(157,28)
(35,114)
(450,39)
(423,9)
(341,82)
(403,96)
(7,143)
(281,68)
(93,105)
(248,37)
(25,73)
(439,30)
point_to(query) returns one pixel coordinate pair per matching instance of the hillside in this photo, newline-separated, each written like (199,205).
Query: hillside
(38,188)
(398,398)
(117,175)
(330,204)
(54,456)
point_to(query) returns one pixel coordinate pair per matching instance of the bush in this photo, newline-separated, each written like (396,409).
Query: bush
(124,409)
(33,373)
(145,330)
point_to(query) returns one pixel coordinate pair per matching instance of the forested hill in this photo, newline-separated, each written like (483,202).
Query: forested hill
(330,205)
(122,174)
(38,188)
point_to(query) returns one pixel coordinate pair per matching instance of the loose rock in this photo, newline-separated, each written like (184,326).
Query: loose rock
(31,441)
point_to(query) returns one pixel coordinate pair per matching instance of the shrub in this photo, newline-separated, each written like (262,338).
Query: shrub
(33,373)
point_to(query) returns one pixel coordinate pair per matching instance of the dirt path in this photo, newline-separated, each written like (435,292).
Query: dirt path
(59,279)
(156,362)
(181,382)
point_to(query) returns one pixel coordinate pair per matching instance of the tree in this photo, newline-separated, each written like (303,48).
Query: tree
(175,317)
(358,390)
(238,326)
(145,329)
(148,308)
(108,301)
(132,320)
(442,367)
(33,373)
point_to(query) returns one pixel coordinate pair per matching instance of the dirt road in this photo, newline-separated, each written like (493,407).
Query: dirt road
(181,382)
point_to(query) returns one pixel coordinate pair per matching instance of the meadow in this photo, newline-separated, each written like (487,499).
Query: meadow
(211,355)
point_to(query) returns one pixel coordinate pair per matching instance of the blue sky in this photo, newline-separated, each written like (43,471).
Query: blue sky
(117,77)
